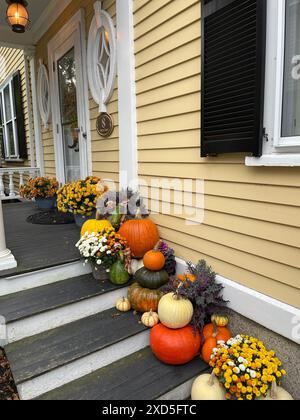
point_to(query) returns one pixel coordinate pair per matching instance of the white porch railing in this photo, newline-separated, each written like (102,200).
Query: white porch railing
(12,178)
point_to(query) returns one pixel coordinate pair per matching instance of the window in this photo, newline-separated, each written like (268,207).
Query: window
(12,133)
(281,145)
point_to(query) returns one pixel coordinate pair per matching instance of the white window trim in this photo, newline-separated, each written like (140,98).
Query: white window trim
(277,151)
(13,120)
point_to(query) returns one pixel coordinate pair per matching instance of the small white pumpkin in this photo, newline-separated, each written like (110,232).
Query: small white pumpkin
(208,388)
(174,311)
(135,266)
(277,394)
(123,305)
(150,319)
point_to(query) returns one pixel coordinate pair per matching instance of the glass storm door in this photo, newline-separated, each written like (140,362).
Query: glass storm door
(69,97)
(70,131)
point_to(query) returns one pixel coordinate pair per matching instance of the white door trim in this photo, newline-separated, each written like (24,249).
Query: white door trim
(127,95)
(74,28)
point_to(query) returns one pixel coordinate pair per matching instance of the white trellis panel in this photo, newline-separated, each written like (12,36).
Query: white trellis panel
(102,57)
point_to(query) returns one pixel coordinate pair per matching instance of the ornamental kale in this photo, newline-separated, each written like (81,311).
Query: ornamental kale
(202,289)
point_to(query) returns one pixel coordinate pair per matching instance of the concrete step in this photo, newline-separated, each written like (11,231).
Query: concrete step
(31,312)
(139,376)
(56,357)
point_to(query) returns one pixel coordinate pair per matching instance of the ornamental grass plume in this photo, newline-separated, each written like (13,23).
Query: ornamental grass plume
(246,368)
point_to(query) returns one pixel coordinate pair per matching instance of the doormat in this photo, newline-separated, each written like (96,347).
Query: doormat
(51,217)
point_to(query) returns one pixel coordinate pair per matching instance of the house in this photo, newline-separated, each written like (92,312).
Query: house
(216,141)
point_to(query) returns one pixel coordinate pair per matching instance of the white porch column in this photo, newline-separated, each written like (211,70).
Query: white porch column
(127,95)
(7,260)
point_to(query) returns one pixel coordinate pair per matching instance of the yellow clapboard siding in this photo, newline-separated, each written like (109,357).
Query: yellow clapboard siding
(180,38)
(223,172)
(187,104)
(175,123)
(169,60)
(272,251)
(167,77)
(167,24)
(263,193)
(148,9)
(180,88)
(251,229)
(251,279)
(263,267)
(176,140)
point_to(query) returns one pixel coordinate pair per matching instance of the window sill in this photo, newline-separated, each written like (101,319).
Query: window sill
(14,160)
(289,160)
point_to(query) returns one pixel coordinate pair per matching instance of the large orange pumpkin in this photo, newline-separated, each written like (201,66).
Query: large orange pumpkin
(174,347)
(141,235)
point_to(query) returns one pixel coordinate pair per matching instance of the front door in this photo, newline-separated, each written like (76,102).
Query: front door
(68,105)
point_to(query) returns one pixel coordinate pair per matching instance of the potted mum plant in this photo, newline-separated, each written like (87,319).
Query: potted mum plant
(80,198)
(41,189)
(108,254)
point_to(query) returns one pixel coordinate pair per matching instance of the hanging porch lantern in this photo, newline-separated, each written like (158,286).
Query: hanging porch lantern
(17,15)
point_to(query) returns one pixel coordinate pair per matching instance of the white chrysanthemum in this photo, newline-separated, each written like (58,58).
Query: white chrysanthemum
(242,368)
(99,262)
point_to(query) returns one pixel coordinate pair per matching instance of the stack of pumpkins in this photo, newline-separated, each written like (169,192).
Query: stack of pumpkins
(174,341)
(145,294)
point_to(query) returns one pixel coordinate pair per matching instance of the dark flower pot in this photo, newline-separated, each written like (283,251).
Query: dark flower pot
(80,219)
(46,203)
(99,272)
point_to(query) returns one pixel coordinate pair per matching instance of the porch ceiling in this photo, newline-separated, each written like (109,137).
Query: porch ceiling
(42,14)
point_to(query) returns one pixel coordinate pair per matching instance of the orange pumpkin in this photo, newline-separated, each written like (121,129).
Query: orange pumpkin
(154,260)
(143,300)
(207,349)
(141,235)
(220,333)
(212,334)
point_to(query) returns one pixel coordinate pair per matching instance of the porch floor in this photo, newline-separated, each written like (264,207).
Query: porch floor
(37,247)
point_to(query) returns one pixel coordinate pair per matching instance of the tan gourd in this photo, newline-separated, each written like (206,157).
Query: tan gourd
(220,320)
(174,311)
(123,305)
(208,388)
(150,319)
(277,394)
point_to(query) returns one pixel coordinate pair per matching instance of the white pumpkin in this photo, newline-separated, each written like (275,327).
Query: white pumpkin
(150,319)
(208,388)
(277,394)
(123,305)
(135,266)
(174,311)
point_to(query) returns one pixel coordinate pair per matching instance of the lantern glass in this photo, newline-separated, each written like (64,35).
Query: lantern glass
(17,17)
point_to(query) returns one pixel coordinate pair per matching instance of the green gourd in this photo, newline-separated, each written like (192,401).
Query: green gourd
(118,274)
(151,279)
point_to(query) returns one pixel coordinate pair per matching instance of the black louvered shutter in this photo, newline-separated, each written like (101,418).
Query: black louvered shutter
(17,93)
(233,76)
